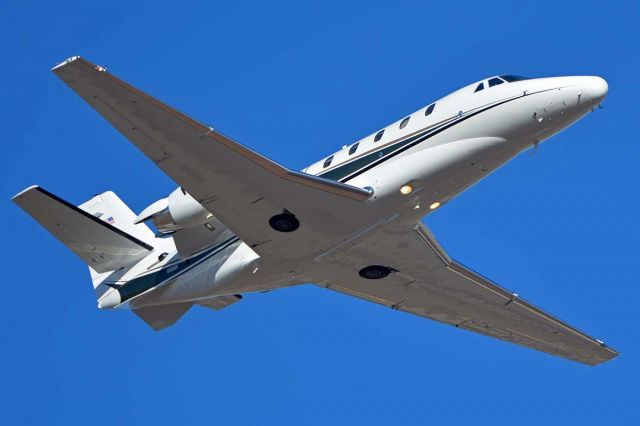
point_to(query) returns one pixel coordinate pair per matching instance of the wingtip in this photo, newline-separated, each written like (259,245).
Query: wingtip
(609,355)
(24,191)
(65,62)
(73,63)
(614,353)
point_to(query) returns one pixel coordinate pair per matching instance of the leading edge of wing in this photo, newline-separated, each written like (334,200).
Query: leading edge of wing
(78,67)
(509,297)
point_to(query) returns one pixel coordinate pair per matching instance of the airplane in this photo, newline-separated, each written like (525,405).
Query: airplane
(352,222)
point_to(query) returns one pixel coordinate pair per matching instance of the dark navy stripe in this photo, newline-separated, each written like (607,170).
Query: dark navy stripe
(343,170)
(424,138)
(141,284)
(339,171)
(355,168)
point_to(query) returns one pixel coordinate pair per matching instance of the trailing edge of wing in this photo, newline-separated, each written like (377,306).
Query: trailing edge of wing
(219,302)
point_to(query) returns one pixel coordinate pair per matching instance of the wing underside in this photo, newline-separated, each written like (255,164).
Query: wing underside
(239,186)
(429,284)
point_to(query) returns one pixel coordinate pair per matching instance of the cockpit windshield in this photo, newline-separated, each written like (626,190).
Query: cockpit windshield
(510,78)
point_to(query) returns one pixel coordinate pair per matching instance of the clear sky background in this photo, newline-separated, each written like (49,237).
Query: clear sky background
(295,81)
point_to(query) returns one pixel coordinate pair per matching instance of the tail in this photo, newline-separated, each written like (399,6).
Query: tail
(101,231)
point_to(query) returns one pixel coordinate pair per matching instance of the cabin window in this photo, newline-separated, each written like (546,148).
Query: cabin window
(378,136)
(429,109)
(327,162)
(353,148)
(404,122)
(479,88)
(495,81)
(511,78)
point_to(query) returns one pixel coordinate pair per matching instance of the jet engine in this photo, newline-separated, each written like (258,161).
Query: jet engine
(178,211)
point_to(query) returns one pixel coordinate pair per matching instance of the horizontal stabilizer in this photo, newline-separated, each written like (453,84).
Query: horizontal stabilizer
(99,244)
(162,316)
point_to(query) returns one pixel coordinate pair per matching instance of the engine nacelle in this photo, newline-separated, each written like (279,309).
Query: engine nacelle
(178,211)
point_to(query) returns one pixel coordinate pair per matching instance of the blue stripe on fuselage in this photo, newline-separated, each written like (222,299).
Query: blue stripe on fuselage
(143,283)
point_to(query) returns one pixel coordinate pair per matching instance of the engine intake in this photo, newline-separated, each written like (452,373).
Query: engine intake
(178,211)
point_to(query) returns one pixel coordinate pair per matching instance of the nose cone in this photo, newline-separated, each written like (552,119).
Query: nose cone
(596,88)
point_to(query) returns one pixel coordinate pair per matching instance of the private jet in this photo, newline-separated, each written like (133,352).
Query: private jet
(241,223)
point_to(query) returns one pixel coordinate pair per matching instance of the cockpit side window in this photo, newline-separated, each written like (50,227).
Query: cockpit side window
(404,122)
(378,136)
(353,148)
(510,78)
(327,162)
(479,88)
(495,81)
(429,109)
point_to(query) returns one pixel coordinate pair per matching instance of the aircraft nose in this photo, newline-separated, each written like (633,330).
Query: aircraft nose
(596,89)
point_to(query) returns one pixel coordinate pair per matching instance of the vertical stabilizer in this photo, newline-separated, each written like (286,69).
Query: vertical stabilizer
(111,209)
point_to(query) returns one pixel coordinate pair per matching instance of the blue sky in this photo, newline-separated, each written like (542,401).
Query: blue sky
(295,81)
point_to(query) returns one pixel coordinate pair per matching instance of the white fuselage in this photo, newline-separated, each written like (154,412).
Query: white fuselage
(467,135)
(464,137)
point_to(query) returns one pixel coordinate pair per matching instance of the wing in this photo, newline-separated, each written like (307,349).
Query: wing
(242,188)
(429,284)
